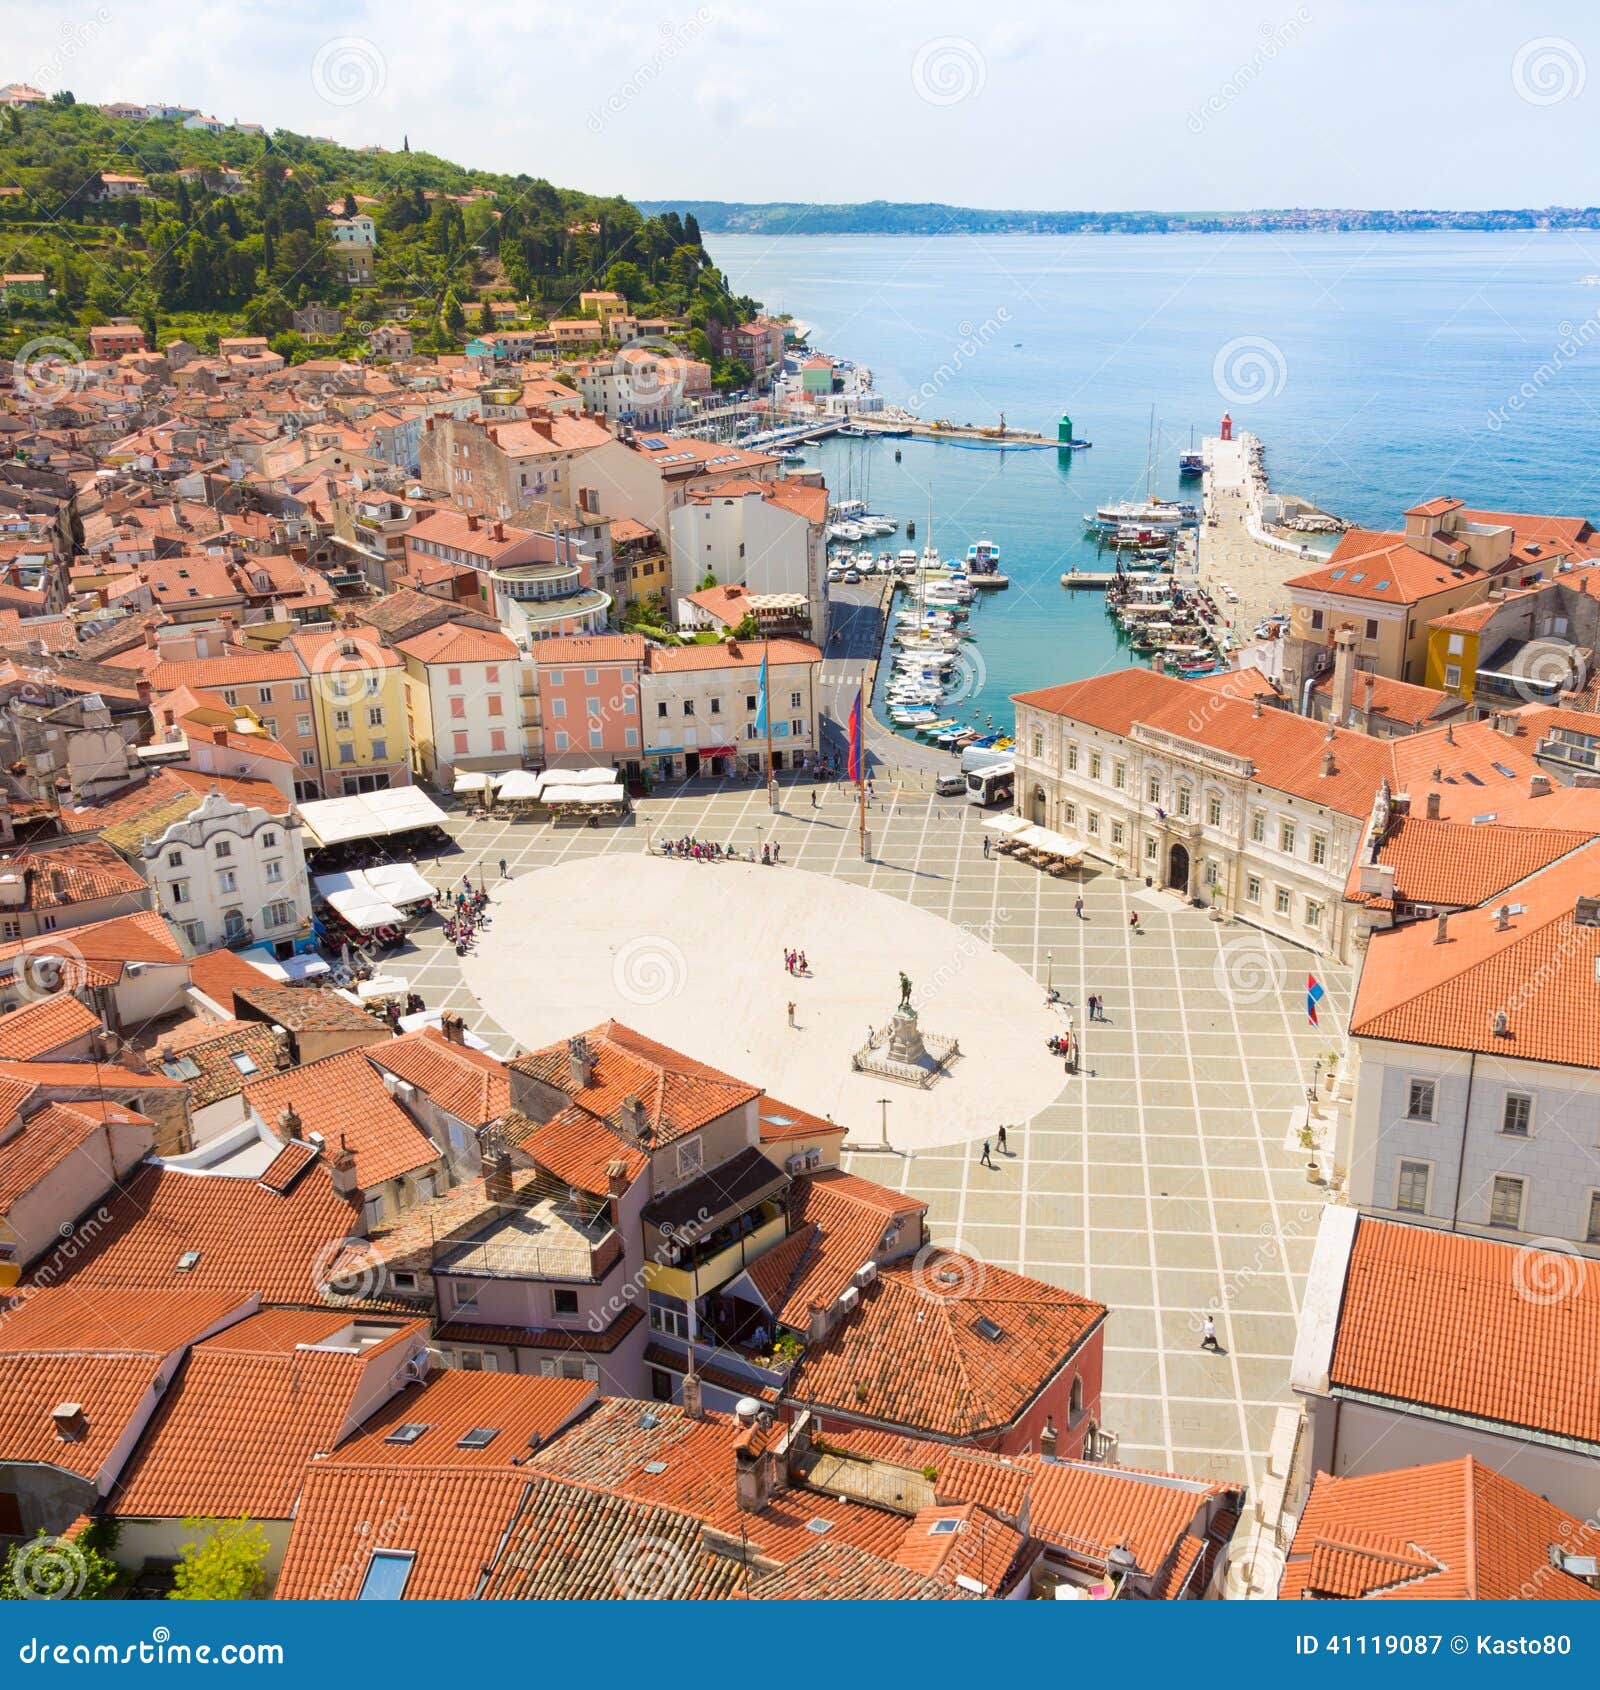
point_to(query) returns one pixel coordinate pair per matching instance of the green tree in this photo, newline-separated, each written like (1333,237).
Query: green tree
(451,314)
(485,319)
(222,1561)
(56,1569)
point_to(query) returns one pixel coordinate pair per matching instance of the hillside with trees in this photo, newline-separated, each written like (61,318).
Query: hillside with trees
(232,233)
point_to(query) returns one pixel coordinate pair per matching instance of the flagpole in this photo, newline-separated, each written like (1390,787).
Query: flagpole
(766,703)
(861,767)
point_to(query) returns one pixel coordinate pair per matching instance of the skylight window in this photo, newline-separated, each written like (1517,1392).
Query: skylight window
(1382,586)
(1501,769)
(1338,575)
(181,1068)
(244,1062)
(408,1433)
(1359,576)
(944,1528)
(986,1328)
(387,1573)
(480,1437)
(188,1261)
(819,1526)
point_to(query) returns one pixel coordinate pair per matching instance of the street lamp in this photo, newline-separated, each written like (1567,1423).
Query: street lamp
(1049,973)
(883,1120)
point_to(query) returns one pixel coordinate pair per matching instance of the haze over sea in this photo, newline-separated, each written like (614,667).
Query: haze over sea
(1379,370)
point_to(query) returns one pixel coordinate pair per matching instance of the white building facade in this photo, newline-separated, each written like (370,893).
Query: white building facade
(231,874)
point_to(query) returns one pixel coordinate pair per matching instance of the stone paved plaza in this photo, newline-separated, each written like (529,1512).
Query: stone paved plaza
(1165,1180)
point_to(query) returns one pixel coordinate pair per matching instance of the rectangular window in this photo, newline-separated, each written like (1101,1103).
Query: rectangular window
(1316,619)
(341,718)
(1258,827)
(1505,1201)
(1038,745)
(661,710)
(1116,833)
(1319,847)
(1420,1099)
(302,725)
(375,716)
(1282,903)
(497,739)
(1286,838)
(461,743)
(1092,822)
(1452,675)
(227,881)
(497,705)
(1152,789)
(1252,889)
(1313,913)
(274,872)
(1411,1192)
(1072,757)
(1214,812)
(1149,850)
(564,1303)
(388,1571)
(1069,814)
(1119,775)
(1094,765)
(180,891)
(1185,801)
(458,707)
(380,751)
(1518,1115)
(1593,1234)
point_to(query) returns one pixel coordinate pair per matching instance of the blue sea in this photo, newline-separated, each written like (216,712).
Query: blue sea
(1379,370)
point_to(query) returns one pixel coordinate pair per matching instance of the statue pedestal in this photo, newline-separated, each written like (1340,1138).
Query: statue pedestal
(905,1038)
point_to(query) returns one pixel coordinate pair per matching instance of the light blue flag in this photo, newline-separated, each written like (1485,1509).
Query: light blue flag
(761,699)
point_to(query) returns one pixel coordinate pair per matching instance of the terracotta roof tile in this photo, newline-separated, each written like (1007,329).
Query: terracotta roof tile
(1454,1531)
(1487,1349)
(524,1410)
(469,1084)
(37,1029)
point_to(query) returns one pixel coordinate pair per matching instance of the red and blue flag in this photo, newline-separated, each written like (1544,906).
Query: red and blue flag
(1314,996)
(856,769)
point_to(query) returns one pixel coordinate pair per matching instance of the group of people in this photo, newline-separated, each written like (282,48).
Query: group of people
(794,962)
(391,1010)
(466,910)
(698,850)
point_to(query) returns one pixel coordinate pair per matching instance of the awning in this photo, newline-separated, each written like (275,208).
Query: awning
(380,986)
(517,784)
(577,777)
(391,885)
(1003,824)
(363,913)
(291,970)
(719,750)
(473,780)
(369,815)
(400,883)
(557,796)
(1050,842)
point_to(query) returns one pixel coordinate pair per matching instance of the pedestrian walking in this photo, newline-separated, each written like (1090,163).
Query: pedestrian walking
(1208,1338)
(986,846)
(805,967)
(1077,908)
(791,1014)
(1133,921)
(985,1160)
(502,868)
(1000,1139)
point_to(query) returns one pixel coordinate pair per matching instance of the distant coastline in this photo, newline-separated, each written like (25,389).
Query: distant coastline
(883,217)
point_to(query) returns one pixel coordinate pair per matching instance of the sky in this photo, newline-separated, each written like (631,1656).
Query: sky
(1185,105)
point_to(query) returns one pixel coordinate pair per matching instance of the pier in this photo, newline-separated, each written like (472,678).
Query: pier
(1243,564)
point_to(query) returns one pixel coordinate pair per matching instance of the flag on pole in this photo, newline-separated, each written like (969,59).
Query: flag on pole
(761,698)
(1314,996)
(856,769)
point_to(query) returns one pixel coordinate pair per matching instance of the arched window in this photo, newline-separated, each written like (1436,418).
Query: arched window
(1038,806)
(1077,1395)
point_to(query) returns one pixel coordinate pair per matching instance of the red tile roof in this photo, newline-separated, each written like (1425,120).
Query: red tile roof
(914,1355)
(1496,1344)
(37,1029)
(1455,1531)
(450,1523)
(249,1238)
(469,1084)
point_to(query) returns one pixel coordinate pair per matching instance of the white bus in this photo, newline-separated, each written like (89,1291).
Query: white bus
(991,786)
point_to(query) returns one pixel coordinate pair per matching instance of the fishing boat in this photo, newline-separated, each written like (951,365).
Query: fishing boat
(1191,463)
(983,557)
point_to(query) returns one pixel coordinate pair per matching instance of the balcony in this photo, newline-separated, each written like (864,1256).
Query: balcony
(719,1257)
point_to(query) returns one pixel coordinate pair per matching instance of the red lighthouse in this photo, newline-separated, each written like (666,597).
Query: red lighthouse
(1227,426)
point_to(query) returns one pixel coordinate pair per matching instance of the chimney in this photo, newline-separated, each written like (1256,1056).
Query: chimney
(1507,724)
(219,736)
(617,1179)
(1158,662)
(472,523)
(752,1456)
(1255,705)
(1344,673)
(635,1123)
(499,531)
(453,1028)
(1501,1025)
(1433,807)
(1328,766)
(1502,919)
(580,1062)
(146,692)
(150,636)
(289,1123)
(693,1406)
(342,1165)
(497,1175)
(1441,931)
(1538,785)
(71,1423)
